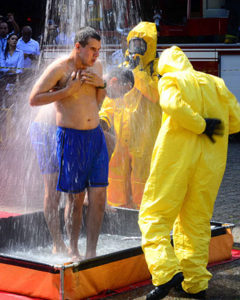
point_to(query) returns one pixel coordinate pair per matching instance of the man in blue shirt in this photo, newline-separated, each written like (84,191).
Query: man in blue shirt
(29,46)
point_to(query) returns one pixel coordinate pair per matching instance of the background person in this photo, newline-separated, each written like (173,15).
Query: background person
(12,59)
(187,168)
(119,82)
(81,146)
(4,30)
(64,37)
(30,48)
(118,56)
(12,24)
(136,121)
(52,32)
(11,63)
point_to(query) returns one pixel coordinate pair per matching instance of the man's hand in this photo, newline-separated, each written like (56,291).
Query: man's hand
(92,78)
(213,127)
(74,83)
(31,56)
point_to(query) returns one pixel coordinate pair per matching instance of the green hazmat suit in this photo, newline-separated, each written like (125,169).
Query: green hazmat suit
(186,171)
(136,119)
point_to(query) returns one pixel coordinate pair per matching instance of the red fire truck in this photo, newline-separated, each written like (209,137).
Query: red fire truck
(200,32)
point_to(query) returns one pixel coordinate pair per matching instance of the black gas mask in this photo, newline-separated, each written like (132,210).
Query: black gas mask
(137,47)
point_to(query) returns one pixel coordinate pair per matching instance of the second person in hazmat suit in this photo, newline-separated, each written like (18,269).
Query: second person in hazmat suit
(187,168)
(136,119)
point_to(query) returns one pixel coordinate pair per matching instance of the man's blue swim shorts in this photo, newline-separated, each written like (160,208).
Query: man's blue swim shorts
(83,159)
(43,139)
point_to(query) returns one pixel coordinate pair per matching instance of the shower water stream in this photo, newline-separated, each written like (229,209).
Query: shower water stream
(22,188)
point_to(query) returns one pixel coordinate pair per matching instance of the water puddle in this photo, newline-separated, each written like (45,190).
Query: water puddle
(106,244)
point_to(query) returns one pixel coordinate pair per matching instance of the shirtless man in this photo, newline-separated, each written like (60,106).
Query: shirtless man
(81,146)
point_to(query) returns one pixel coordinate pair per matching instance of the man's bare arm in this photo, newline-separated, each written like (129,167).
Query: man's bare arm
(101,93)
(13,22)
(41,93)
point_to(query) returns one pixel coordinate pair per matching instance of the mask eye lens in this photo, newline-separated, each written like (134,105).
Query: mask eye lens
(137,46)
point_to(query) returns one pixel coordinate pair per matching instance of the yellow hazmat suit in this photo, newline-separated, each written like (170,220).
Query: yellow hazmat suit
(186,171)
(136,119)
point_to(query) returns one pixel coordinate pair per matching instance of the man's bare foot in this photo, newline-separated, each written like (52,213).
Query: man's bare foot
(75,255)
(76,258)
(60,249)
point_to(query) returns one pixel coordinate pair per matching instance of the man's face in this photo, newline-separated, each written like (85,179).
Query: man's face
(89,54)
(3,29)
(117,89)
(26,35)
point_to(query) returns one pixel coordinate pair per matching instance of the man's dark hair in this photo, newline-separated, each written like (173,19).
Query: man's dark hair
(123,77)
(86,33)
(122,74)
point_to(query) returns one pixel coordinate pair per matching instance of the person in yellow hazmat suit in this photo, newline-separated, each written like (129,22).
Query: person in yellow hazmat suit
(187,168)
(136,119)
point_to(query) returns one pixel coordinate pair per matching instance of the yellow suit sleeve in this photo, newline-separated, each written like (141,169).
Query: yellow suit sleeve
(106,112)
(173,105)
(234,115)
(146,84)
(234,110)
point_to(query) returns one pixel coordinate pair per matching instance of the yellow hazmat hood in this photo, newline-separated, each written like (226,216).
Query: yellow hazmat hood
(172,60)
(148,32)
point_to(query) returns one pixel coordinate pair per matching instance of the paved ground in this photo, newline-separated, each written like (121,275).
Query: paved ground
(227,206)
(223,286)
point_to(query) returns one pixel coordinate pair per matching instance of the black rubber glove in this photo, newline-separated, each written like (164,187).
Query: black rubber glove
(213,127)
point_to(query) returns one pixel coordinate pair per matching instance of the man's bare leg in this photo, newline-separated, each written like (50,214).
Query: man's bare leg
(85,202)
(95,212)
(73,222)
(51,212)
